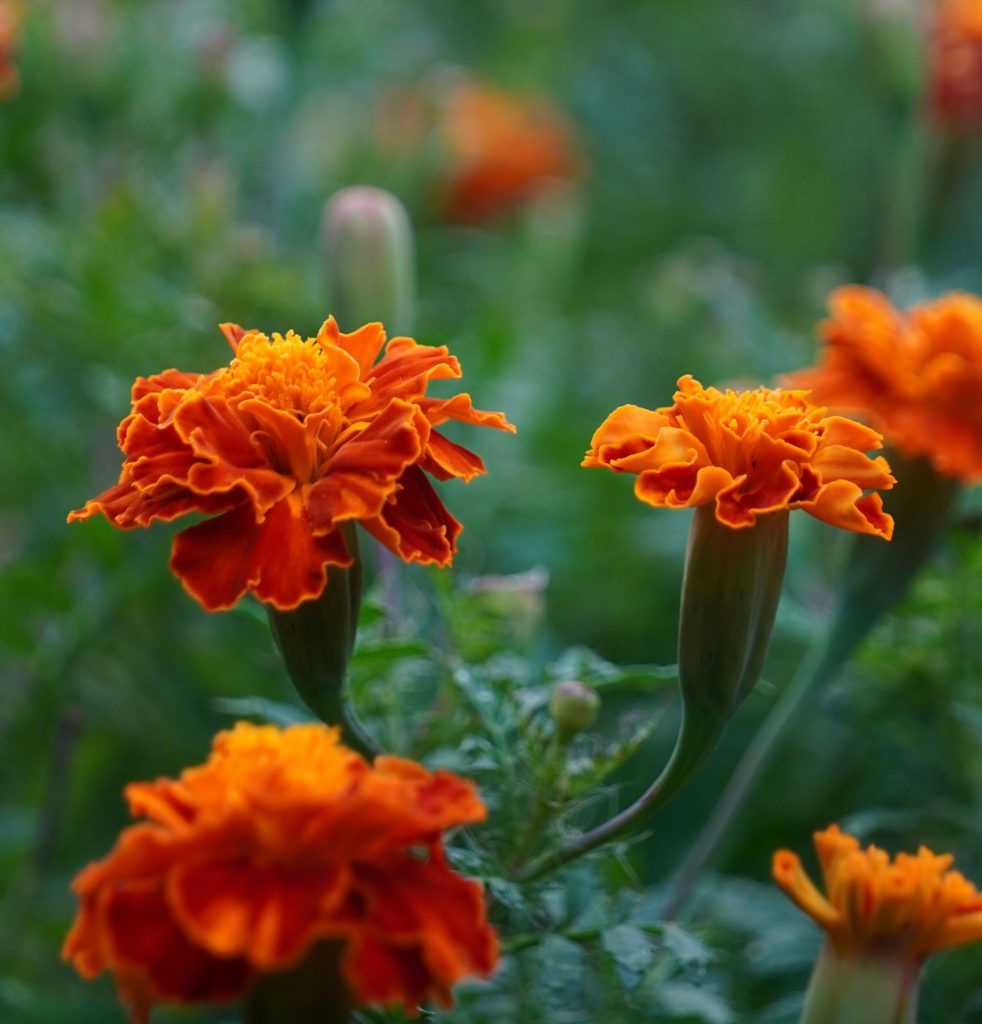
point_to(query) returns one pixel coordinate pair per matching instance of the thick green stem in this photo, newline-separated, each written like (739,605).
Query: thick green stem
(313,992)
(316,639)
(863,988)
(878,575)
(730,593)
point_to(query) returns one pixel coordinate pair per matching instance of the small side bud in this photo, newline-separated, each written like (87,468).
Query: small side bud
(574,707)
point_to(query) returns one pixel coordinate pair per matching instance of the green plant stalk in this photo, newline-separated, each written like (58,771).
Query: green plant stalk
(313,992)
(315,641)
(730,593)
(865,988)
(878,575)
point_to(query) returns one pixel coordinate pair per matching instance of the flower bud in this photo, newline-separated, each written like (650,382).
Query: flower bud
(368,253)
(574,707)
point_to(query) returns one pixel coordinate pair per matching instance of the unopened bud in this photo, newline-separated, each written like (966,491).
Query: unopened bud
(368,252)
(574,707)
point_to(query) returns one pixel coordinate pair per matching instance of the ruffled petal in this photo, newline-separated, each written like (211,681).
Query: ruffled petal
(364,471)
(841,503)
(414,523)
(280,560)
(267,914)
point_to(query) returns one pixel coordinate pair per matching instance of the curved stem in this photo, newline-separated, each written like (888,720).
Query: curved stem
(696,739)
(878,576)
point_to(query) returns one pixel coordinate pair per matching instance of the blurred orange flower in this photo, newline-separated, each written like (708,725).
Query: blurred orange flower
(913,905)
(751,453)
(955,62)
(10,18)
(281,839)
(501,151)
(916,376)
(284,445)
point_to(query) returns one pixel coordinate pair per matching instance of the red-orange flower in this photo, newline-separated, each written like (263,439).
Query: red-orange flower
(913,905)
(955,62)
(751,453)
(10,16)
(916,376)
(501,150)
(283,446)
(281,839)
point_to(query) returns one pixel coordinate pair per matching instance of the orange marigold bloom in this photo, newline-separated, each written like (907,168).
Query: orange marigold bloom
(917,376)
(284,445)
(913,905)
(751,453)
(281,839)
(501,150)
(955,62)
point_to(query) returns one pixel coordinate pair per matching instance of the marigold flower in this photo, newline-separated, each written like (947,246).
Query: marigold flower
(914,903)
(917,376)
(283,446)
(954,58)
(751,453)
(284,838)
(10,19)
(500,149)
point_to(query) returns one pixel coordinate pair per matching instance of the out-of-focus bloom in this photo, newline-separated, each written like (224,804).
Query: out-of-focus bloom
(283,446)
(751,453)
(914,904)
(10,17)
(916,376)
(574,707)
(501,150)
(284,838)
(955,62)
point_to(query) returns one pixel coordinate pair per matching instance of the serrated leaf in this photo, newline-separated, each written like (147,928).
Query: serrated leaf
(631,952)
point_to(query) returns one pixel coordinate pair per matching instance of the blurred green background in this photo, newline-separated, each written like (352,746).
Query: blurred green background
(164,166)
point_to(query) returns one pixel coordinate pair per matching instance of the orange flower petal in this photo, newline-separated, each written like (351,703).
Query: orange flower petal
(281,559)
(266,914)
(363,472)
(911,906)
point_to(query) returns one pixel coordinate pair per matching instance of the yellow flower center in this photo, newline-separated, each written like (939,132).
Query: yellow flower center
(287,372)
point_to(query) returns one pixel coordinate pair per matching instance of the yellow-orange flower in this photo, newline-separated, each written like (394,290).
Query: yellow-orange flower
(916,376)
(281,839)
(500,151)
(955,62)
(750,453)
(913,905)
(283,446)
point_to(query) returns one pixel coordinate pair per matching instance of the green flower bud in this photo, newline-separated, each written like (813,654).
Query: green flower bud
(574,707)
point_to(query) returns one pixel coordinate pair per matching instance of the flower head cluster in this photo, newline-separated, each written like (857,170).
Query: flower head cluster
(955,62)
(913,905)
(916,376)
(292,439)
(281,839)
(751,453)
(500,151)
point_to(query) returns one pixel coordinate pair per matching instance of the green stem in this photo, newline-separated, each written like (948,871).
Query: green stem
(863,988)
(313,992)
(878,576)
(316,639)
(696,740)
